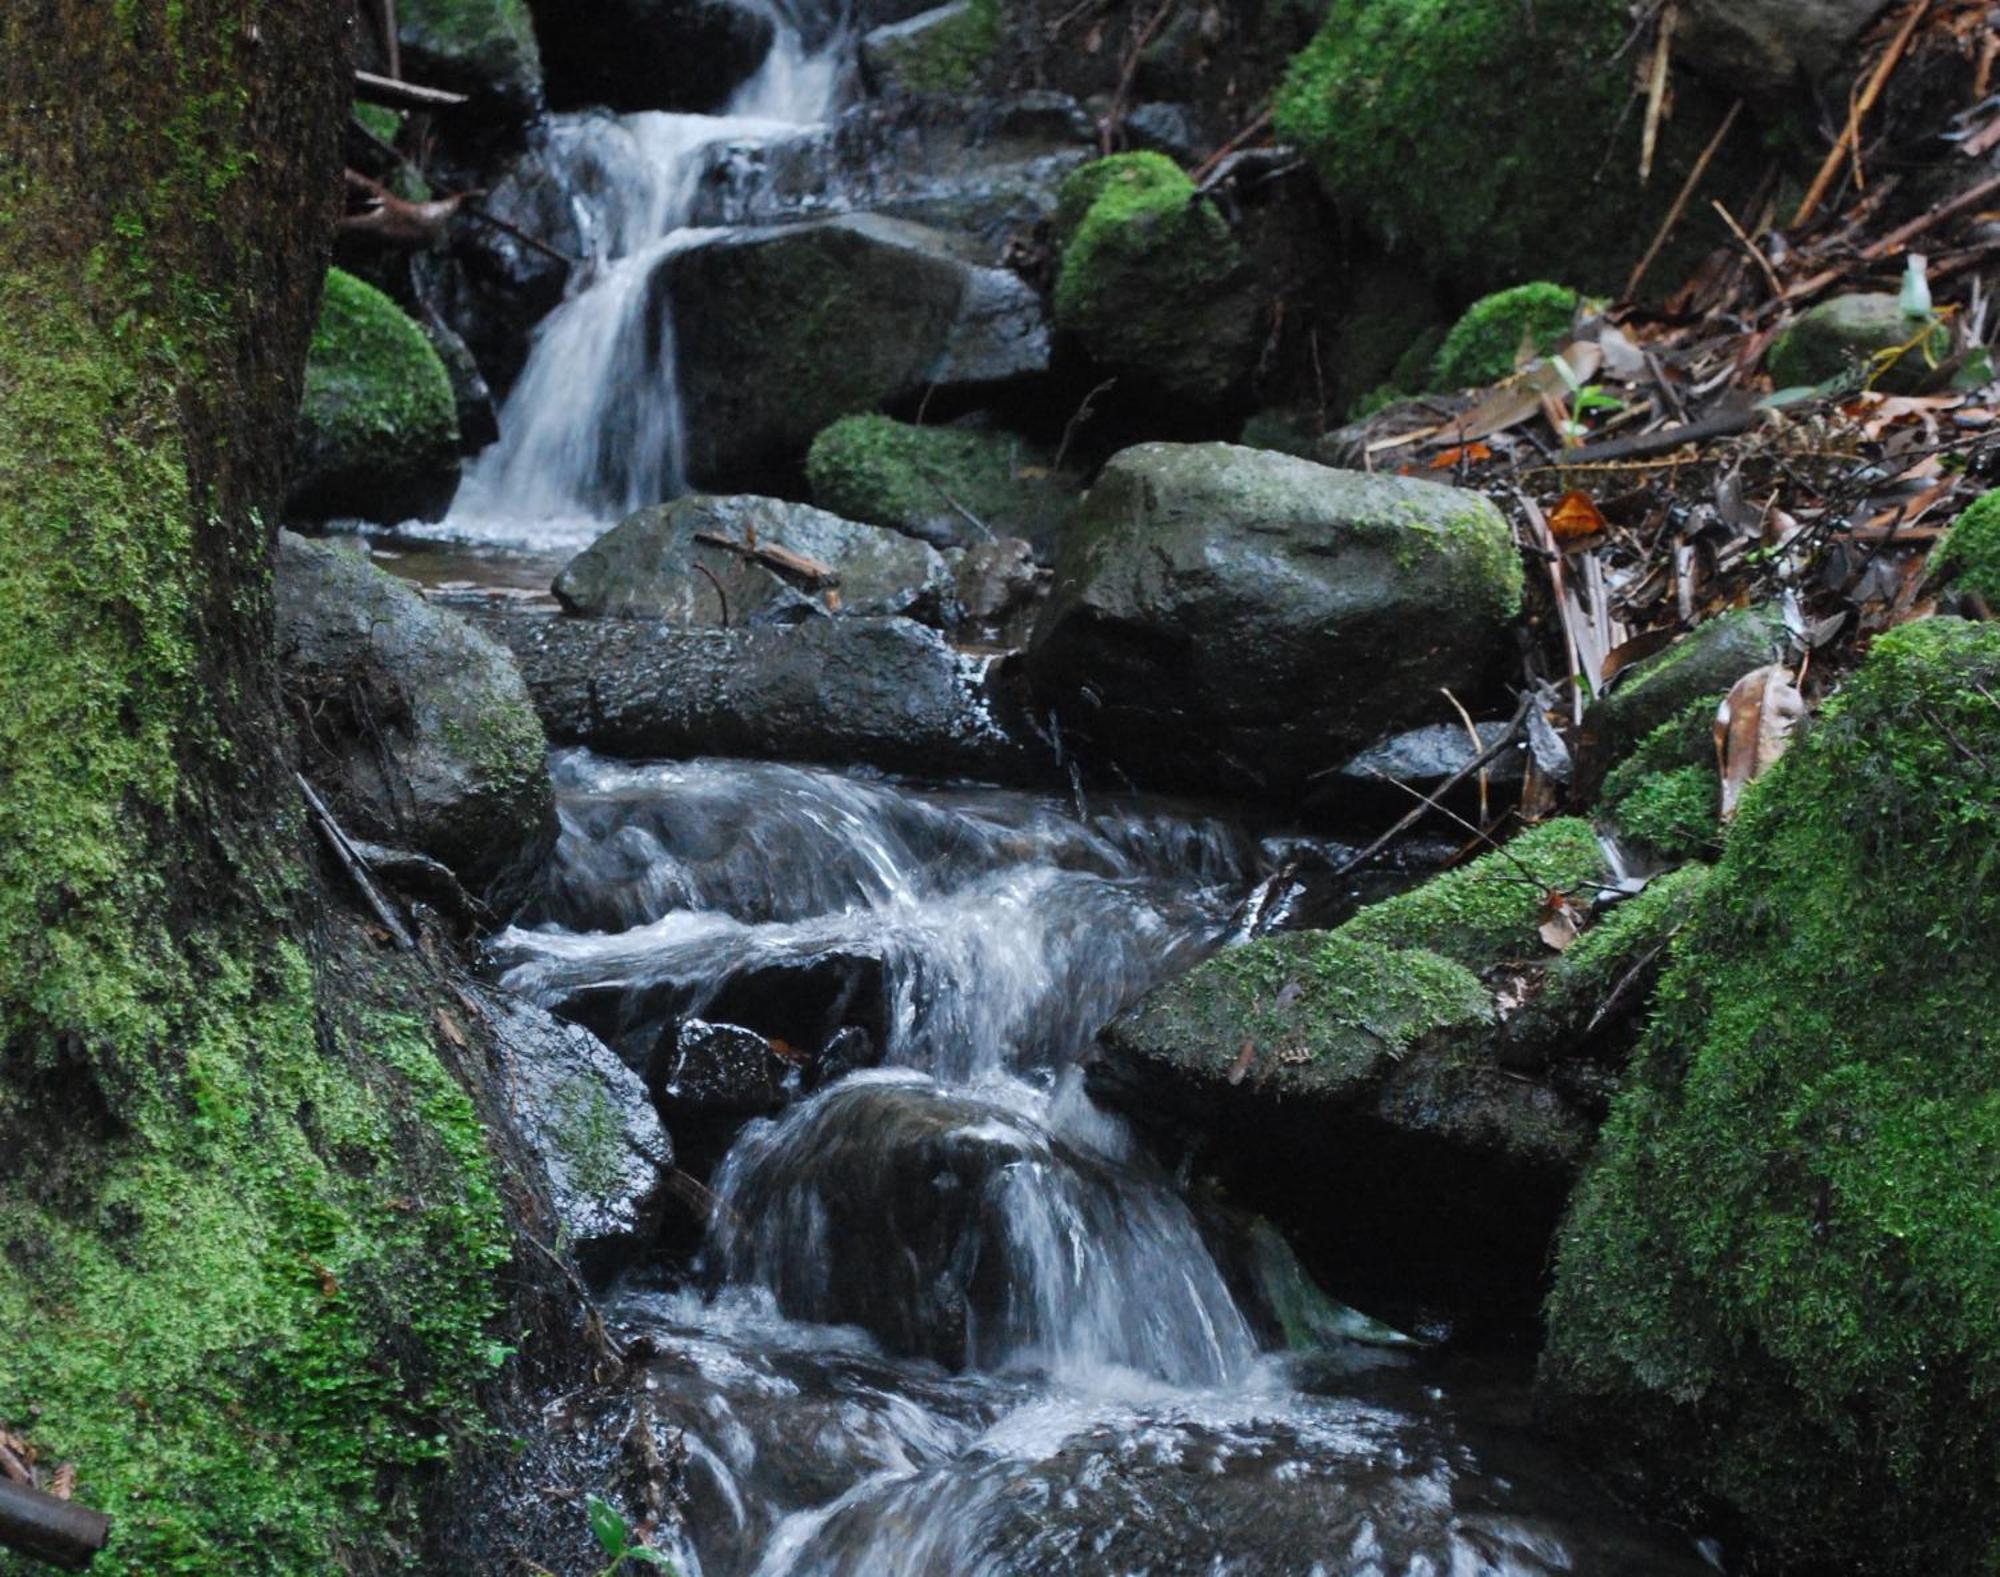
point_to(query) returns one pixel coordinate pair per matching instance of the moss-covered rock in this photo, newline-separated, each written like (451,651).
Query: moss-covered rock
(940,51)
(482,47)
(1468,138)
(1969,553)
(923,481)
(1233,618)
(1152,283)
(1776,1285)
(378,432)
(1484,344)
(1666,795)
(1866,338)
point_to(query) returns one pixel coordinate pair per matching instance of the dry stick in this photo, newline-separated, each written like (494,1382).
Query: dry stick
(1207,166)
(976,523)
(1656,90)
(1472,734)
(394,95)
(721,596)
(473,210)
(1410,819)
(392,47)
(1896,239)
(1756,253)
(48,1529)
(1680,202)
(1849,133)
(1114,114)
(356,867)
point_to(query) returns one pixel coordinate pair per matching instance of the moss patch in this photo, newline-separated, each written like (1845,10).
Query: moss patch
(1474,141)
(1970,551)
(1152,283)
(946,56)
(905,477)
(1777,1281)
(1484,344)
(1666,795)
(476,46)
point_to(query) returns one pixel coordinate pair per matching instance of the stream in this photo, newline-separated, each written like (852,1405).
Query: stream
(949,1318)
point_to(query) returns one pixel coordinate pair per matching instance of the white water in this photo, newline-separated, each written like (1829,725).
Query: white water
(594,427)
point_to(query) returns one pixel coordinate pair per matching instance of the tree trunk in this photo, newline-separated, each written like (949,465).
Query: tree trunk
(248,1223)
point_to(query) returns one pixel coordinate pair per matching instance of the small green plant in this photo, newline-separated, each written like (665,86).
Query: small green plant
(614,1537)
(1583,397)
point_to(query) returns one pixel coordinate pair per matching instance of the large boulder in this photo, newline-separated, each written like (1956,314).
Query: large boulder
(627,55)
(1424,120)
(695,562)
(588,1117)
(1784,1251)
(378,429)
(1764,49)
(1235,619)
(942,50)
(485,48)
(889,693)
(1357,1085)
(947,485)
(782,332)
(1152,283)
(417,728)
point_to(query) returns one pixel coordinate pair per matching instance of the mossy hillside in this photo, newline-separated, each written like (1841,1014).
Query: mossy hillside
(1969,553)
(1776,1282)
(378,420)
(1483,345)
(1462,136)
(1152,284)
(948,56)
(899,475)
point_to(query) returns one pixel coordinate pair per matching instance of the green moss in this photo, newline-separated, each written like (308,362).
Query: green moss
(1666,796)
(1151,282)
(1498,151)
(589,1131)
(1483,344)
(1673,684)
(895,474)
(945,57)
(1587,971)
(1776,1284)
(1490,910)
(378,417)
(1970,551)
(474,45)
(378,122)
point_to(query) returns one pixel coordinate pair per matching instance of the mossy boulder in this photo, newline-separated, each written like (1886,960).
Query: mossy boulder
(1483,345)
(1360,1069)
(783,331)
(1230,618)
(1969,553)
(485,48)
(419,730)
(1666,796)
(1152,284)
(1775,1290)
(938,51)
(923,481)
(378,429)
(1865,338)
(1463,136)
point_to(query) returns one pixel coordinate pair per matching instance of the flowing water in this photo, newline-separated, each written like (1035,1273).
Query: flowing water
(950,1319)
(593,428)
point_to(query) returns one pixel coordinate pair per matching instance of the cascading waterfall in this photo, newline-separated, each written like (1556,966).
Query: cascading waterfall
(957,1324)
(593,428)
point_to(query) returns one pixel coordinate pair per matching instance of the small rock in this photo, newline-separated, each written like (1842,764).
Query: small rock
(1840,338)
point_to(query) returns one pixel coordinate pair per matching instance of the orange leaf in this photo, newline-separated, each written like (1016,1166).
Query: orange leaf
(1575,517)
(1462,453)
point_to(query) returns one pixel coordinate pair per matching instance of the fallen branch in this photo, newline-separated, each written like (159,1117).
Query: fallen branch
(355,866)
(396,221)
(394,95)
(1900,237)
(810,574)
(1718,424)
(45,1528)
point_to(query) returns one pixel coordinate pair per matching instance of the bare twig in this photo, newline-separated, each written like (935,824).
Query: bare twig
(721,596)
(355,866)
(394,95)
(1681,200)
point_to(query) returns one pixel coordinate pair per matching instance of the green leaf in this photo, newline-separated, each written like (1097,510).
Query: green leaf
(607,1527)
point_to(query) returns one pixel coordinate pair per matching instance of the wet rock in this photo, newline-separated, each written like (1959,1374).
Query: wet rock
(1152,283)
(1235,619)
(687,55)
(881,692)
(588,1117)
(948,485)
(1841,338)
(1763,48)
(781,333)
(417,728)
(1423,759)
(998,585)
(941,50)
(725,1068)
(1166,128)
(482,47)
(378,437)
(472,400)
(1318,1064)
(656,565)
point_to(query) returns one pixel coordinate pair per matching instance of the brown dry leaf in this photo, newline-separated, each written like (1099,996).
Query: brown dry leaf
(1753,728)
(1575,517)
(1638,648)
(1520,397)
(1241,1065)
(1561,921)
(63,1484)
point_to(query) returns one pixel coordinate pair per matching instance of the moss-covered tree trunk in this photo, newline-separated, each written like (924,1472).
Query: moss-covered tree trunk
(247,1224)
